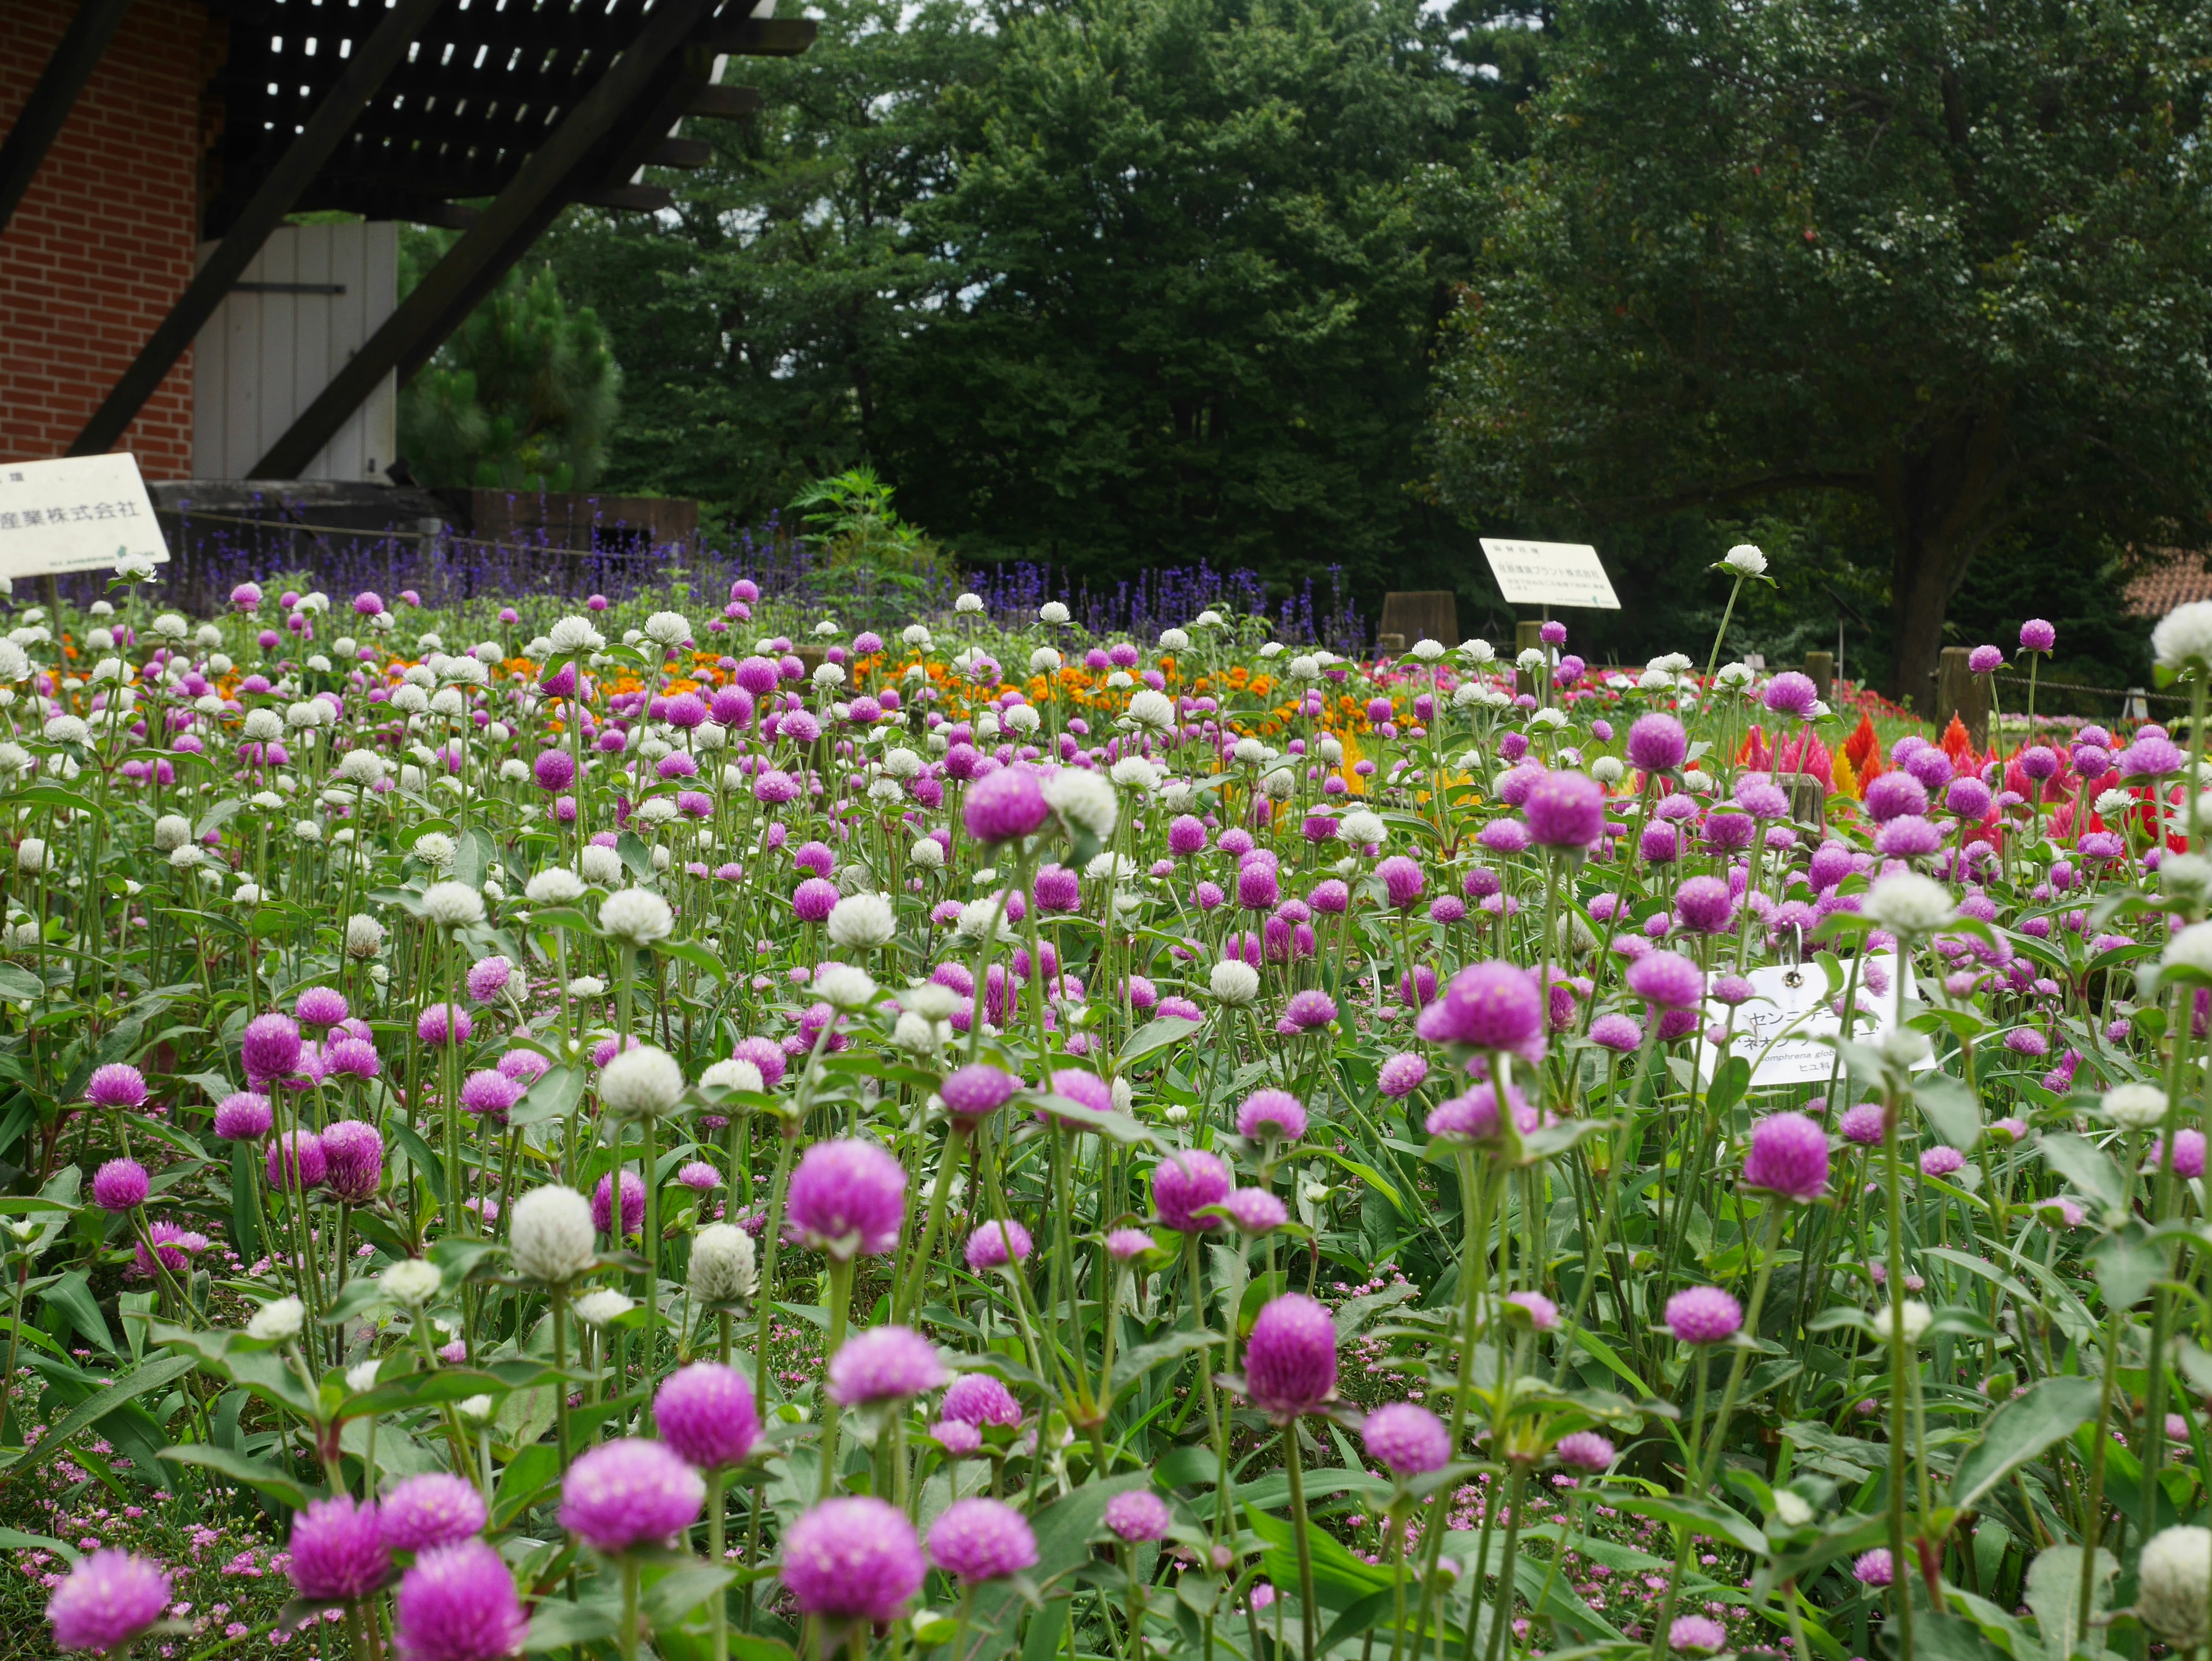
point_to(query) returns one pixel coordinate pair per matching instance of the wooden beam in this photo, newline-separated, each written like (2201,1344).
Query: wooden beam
(46,111)
(725,103)
(490,247)
(760,37)
(687,154)
(263,212)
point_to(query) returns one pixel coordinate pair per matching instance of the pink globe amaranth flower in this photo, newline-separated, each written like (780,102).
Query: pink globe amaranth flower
(1704,1315)
(270,1047)
(1705,906)
(1657,743)
(1402,881)
(814,899)
(1290,1361)
(1488,1005)
(1865,1125)
(1255,1211)
(1985,660)
(1185,1183)
(1565,811)
(1402,1074)
(979,1539)
(1667,980)
(1791,694)
(121,1185)
(296,1159)
(706,1412)
(699,1176)
(2188,1153)
(320,1006)
(847,1198)
(1474,1117)
(979,1398)
(1311,1008)
(956,1438)
(1584,1449)
(1126,1243)
(108,1599)
(1005,805)
(630,1493)
(2037,636)
(1139,1514)
(1908,837)
(118,1084)
(852,1559)
(1696,1634)
(633,1203)
(524,1066)
(1874,1568)
(488,978)
(885,1363)
(1893,795)
(553,770)
(353,1155)
(442,1024)
(489,1093)
(1271,1113)
(436,1509)
(996,1244)
(1407,1438)
(172,1244)
(458,1604)
(337,1550)
(351,1058)
(1616,1032)
(1940,1161)
(1789,1156)
(1543,1313)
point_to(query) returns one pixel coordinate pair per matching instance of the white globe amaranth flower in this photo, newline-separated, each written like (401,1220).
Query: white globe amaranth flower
(1052,612)
(1745,560)
(916,635)
(1909,904)
(361,767)
(1235,984)
(14,662)
(454,905)
(2111,804)
(1044,661)
(635,917)
(841,986)
(928,854)
(732,1074)
(587,986)
(931,1000)
(1912,1316)
(437,848)
(364,936)
(2183,637)
(1365,828)
(596,1309)
(2190,950)
(277,1320)
(171,832)
(2186,880)
(2135,1106)
(1174,640)
(411,1282)
(901,763)
(602,868)
(643,1083)
(861,922)
(574,635)
(722,1269)
(1606,769)
(1904,1048)
(260,726)
(31,854)
(555,885)
(1084,800)
(1428,651)
(1135,772)
(968,605)
(361,1379)
(2173,1577)
(1150,711)
(1791,1509)
(668,628)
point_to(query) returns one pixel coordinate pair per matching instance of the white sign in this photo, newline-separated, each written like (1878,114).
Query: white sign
(79,513)
(1779,1030)
(1550,573)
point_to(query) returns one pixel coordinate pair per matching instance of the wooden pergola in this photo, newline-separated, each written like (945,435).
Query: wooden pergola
(412,110)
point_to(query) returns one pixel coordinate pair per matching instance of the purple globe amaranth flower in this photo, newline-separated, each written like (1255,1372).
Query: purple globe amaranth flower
(979,1539)
(852,1559)
(1126,1243)
(814,899)
(1789,1156)
(1005,805)
(1874,1568)
(997,1243)
(435,1509)
(1704,1315)
(117,1085)
(957,1439)
(1493,1006)
(2037,636)
(629,1493)
(1618,1033)
(1185,1183)
(1474,1117)
(1584,1449)
(1290,1360)
(1407,1438)
(1565,811)
(885,1363)
(337,1550)
(487,978)
(1255,1211)
(1706,906)
(1274,1114)
(270,1047)
(1138,1515)
(706,1412)
(1865,1125)
(1402,1074)
(442,1023)
(978,1398)
(1543,1313)
(1657,743)
(297,1160)
(320,1006)
(353,1156)
(488,1093)
(2149,758)
(847,1198)
(1667,980)
(1893,795)
(121,1185)
(1402,881)
(2189,1147)
(458,1604)
(1791,694)
(1985,660)
(352,1058)
(1312,1007)
(108,1599)
(1940,1161)
(633,1203)
(1696,1634)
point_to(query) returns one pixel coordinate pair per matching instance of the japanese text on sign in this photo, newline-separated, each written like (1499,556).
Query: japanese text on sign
(1550,573)
(78,514)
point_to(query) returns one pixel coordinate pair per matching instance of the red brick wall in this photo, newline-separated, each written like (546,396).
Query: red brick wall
(103,242)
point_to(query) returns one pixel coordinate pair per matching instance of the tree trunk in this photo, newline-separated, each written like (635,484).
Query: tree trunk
(1940,501)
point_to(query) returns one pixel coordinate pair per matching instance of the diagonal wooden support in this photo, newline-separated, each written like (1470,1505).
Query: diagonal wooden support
(365,71)
(44,113)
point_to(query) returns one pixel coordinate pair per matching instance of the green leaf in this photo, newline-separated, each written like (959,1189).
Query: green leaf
(697,956)
(675,1594)
(630,849)
(257,1473)
(419,1156)
(1700,1517)
(1135,1364)
(2080,1164)
(87,1413)
(216,817)
(554,1096)
(473,856)
(1156,1035)
(1951,1110)
(558,1624)
(20,985)
(16,1540)
(2020,1431)
(2127,1268)
(527,1475)
(71,1294)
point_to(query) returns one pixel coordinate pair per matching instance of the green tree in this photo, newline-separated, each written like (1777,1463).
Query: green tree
(522,396)
(1948,257)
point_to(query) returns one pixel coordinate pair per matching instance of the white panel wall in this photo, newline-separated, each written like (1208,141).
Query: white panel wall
(265,355)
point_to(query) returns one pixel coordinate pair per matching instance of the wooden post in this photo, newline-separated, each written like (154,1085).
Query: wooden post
(1820,669)
(1525,636)
(1961,691)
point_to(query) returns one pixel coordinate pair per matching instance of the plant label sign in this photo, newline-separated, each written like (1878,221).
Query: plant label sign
(1780,1028)
(78,514)
(1550,573)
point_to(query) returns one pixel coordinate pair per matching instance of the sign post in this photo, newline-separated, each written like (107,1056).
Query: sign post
(1549,574)
(80,513)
